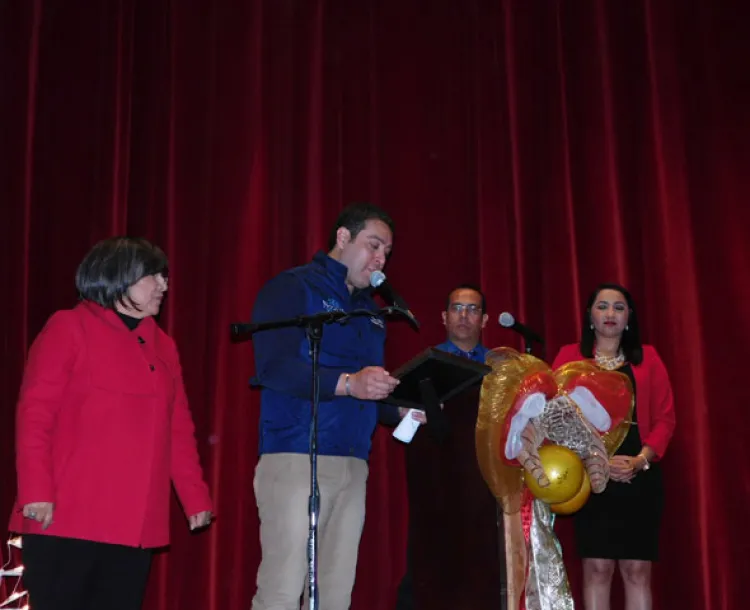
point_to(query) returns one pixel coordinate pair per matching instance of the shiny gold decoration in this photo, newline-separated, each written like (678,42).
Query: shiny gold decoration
(514,376)
(613,389)
(510,370)
(576,502)
(533,555)
(516,558)
(563,468)
(547,586)
(564,424)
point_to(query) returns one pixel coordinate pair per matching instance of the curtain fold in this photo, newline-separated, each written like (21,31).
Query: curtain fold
(537,148)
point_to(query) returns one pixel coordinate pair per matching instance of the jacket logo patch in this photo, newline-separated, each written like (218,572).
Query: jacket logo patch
(332,305)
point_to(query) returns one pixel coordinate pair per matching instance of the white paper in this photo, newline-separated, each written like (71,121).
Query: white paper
(408,427)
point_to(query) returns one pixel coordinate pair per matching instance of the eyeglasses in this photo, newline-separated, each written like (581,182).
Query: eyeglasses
(471,309)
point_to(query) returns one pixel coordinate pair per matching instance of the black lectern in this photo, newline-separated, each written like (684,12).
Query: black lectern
(432,378)
(453,526)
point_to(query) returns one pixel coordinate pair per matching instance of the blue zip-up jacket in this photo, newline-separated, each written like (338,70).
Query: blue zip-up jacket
(284,365)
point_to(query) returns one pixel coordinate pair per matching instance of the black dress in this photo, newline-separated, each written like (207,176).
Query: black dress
(623,521)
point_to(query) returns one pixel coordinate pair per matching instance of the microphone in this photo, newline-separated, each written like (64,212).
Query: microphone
(380,283)
(508,321)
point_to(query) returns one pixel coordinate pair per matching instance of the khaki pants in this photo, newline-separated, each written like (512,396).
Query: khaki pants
(282,490)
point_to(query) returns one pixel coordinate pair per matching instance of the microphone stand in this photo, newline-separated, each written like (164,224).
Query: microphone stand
(529,342)
(313,325)
(526,344)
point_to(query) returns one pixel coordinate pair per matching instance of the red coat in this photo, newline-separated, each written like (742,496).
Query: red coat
(102,426)
(654,404)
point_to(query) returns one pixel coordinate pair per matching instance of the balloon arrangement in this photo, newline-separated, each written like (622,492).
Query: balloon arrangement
(543,441)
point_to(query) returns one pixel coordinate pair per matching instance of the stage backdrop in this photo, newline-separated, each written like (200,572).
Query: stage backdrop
(537,148)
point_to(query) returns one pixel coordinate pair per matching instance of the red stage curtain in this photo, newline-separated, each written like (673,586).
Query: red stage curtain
(536,147)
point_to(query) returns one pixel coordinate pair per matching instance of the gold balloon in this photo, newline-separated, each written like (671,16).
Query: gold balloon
(563,468)
(577,501)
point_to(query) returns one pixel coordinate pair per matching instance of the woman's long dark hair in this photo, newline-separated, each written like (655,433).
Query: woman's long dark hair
(630,343)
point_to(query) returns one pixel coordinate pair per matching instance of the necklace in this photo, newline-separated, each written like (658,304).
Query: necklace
(610,363)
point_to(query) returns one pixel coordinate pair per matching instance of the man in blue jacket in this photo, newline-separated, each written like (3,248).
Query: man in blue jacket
(352,379)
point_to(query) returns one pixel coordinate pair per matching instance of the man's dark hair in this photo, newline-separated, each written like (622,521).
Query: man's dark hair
(114,265)
(354,217)
(631,338)
(473,287)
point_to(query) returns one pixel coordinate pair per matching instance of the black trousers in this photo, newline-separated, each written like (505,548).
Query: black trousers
(71,574)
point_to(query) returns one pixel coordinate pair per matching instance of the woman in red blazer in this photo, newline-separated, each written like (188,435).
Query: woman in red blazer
(621,525)
(102,427)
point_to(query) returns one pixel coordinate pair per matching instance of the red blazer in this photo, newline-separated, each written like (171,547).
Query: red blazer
(102,425)
(654,404)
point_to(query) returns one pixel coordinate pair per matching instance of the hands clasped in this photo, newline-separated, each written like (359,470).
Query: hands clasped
(623,468)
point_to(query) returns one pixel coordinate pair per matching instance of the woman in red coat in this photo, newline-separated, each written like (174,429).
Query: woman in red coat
(621,525)
(102,427)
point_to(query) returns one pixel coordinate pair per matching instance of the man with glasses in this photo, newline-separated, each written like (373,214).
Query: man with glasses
(464,318)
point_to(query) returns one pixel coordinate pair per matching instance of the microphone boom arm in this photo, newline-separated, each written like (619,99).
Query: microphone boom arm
(324,317)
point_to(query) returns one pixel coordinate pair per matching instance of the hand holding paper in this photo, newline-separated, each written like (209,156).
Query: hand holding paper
(409,425)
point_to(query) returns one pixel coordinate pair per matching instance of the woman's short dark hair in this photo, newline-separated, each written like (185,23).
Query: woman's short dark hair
(630,343)
(114,265)
(354,217)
